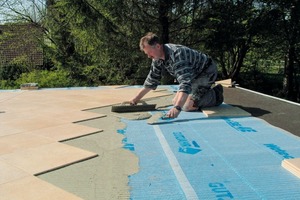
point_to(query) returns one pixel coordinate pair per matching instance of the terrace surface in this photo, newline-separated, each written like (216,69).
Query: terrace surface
(67,144)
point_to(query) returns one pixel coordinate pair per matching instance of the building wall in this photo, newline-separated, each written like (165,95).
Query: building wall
(21,42)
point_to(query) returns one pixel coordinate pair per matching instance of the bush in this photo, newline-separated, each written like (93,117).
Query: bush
(13,70)
(46,79)
(6,84)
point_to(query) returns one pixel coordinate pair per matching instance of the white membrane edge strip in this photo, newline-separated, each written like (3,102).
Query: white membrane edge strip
(266,95)
(182,179)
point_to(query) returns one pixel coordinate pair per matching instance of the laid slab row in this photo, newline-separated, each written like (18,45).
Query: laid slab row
(32,123)
(43,158)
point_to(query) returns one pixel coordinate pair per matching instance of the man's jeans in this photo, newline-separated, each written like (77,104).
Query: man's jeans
(202,93)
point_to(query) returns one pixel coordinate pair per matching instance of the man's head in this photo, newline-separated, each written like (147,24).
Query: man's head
(151,46)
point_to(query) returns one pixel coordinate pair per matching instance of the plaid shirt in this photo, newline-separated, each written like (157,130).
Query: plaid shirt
(181,62)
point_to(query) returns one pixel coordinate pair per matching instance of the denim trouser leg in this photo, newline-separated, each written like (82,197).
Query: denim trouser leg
(202,93)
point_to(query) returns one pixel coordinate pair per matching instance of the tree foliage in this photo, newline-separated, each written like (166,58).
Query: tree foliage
(96,41)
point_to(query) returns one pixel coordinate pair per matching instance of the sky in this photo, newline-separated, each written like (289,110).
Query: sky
(27,7)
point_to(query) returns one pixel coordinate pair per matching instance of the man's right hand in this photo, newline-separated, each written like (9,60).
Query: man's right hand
(133,102)
(139,96)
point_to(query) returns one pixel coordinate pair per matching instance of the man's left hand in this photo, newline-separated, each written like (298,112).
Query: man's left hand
(173,113)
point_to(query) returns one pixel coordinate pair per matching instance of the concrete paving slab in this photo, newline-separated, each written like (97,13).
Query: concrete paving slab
(225,110)
(292,165)
(47,157)
(21,141)
(71,99)
(6,129)
(36,122)
(225,83)
(10,173)
(65,131)
(34,189)
(9,94)
(77,116)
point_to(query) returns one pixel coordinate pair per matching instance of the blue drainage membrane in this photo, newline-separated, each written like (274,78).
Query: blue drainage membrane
(220,158)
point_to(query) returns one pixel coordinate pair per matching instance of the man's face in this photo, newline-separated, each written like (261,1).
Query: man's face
(152,52)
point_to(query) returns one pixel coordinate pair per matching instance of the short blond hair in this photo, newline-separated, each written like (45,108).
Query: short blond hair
(150,38)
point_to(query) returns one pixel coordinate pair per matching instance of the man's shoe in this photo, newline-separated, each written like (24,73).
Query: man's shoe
(219,94)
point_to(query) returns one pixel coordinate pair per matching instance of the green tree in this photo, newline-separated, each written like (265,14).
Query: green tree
(287,36)
(86,37)
(96,41)
(230,29)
